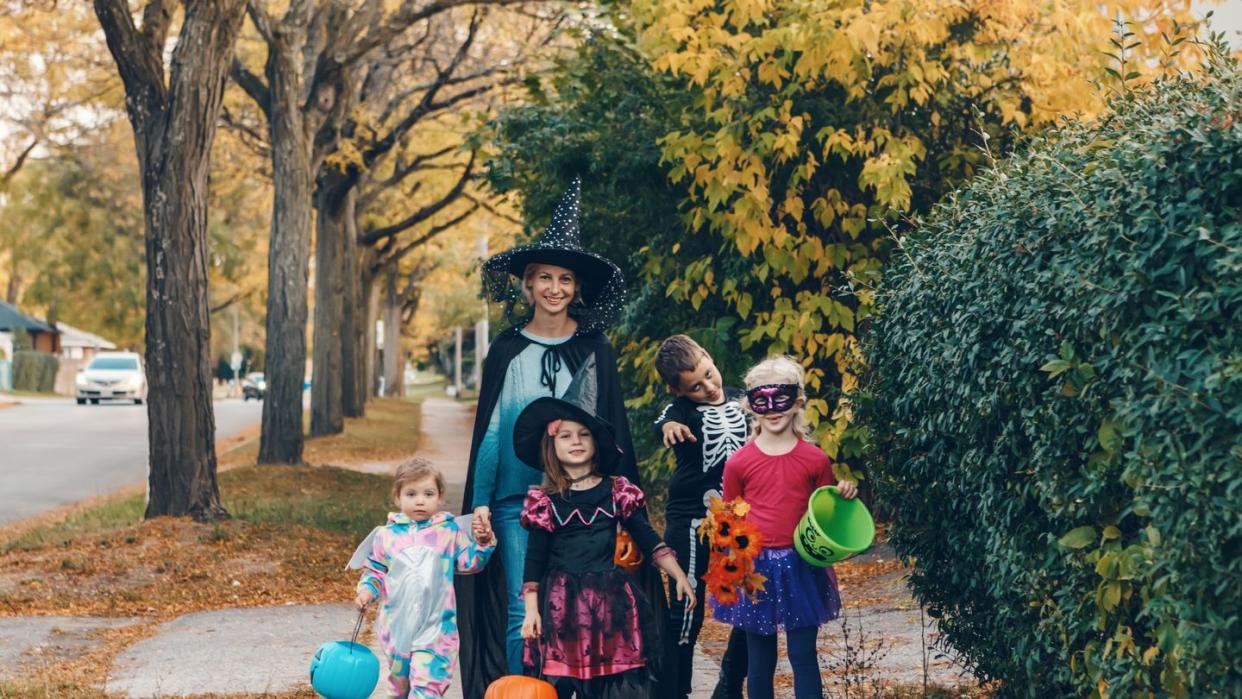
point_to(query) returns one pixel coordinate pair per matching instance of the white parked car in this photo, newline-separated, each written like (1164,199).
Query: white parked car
(112,375)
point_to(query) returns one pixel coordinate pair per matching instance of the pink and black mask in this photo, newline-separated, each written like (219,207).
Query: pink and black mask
(772,398)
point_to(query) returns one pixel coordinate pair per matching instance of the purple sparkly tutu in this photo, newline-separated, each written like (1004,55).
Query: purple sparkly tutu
(796,595)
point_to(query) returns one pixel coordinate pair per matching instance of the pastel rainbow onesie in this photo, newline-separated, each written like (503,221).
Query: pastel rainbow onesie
(409,566)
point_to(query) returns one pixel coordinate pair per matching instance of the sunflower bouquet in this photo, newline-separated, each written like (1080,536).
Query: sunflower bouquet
(734,543)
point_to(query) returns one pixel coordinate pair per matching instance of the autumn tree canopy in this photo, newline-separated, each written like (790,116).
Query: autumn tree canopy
(817,127)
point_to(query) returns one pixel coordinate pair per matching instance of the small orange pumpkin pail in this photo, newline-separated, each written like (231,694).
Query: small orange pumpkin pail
(627,554)
(520,687)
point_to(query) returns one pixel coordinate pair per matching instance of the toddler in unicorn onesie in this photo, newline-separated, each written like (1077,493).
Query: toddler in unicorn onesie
(409,564)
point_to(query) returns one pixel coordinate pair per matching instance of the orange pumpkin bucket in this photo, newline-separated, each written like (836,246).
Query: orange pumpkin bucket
(520,687)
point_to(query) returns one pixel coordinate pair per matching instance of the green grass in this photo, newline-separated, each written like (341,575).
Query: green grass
(107,517)
(419,391)
(332,499)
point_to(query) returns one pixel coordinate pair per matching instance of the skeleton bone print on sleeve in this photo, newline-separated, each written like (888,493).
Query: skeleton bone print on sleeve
(724,432)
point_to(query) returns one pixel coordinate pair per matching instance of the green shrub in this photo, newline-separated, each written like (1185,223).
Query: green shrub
(1055,403)
(34,371)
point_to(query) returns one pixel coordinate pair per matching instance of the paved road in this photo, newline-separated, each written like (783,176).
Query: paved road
(55,452)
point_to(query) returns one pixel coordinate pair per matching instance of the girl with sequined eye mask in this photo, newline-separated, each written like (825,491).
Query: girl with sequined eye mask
(775,473)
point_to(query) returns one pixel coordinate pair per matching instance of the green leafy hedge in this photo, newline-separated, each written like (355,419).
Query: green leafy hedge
(1055,403)
(34,371)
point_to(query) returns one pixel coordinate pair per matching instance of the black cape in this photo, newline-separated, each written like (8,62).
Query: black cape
(481,607)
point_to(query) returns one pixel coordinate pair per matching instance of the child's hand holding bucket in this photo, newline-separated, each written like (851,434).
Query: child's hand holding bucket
(834,527)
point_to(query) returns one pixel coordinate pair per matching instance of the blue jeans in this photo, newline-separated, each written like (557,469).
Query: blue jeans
(511,542)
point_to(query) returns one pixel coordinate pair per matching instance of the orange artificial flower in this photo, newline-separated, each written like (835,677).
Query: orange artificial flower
(721,570)
(725,594)
(723,534)
(735,569)
(745,541)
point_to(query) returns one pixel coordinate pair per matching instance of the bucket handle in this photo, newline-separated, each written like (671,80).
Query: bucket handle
(357,629)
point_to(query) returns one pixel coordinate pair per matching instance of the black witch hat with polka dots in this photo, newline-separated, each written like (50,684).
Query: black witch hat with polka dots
(603,287)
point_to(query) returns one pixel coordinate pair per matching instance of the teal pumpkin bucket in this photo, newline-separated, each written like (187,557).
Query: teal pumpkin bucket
(833,528)
(344,670)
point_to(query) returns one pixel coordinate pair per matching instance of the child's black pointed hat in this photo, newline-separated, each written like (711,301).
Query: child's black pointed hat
(579,405)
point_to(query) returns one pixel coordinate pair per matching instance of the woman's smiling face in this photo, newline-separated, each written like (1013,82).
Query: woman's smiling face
(551,288)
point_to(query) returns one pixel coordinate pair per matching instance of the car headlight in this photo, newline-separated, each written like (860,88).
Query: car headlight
(80,380)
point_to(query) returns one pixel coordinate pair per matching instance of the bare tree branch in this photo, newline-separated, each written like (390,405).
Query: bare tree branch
(401,171)
(139,60)
(252,85)
(251,137)
(262,21)
(435,231)
(487,206)
(425,212)
(246,293)
(17,164)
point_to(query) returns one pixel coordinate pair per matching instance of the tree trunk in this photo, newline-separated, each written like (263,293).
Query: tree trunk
(394,376)
(15,283)
(371,287)
(353,338)
(174,127)
(288,257)
(334,210)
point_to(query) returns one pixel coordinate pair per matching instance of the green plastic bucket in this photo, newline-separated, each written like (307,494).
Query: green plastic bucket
(833,528)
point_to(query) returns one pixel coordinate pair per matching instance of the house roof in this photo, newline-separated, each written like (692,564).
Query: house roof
(12,319)
(73,337)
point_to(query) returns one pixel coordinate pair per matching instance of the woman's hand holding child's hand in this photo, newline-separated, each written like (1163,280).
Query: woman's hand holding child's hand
(847,489)
(676,433)
(364,598)
(532,626)
(482,532)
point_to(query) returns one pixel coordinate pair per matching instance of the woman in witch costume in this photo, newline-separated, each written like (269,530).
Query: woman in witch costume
(558,297)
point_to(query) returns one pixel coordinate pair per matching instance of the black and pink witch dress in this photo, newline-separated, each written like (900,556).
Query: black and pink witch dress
(597,634)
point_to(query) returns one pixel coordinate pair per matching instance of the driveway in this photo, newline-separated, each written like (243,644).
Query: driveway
(54,452)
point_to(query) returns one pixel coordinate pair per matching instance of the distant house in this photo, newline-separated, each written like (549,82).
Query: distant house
(43,337)
(79,344)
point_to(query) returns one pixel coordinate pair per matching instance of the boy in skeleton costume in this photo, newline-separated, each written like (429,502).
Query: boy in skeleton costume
(409,564)
(704,425)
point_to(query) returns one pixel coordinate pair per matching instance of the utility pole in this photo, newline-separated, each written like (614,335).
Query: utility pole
(235,360)
(480,328)
(457,359)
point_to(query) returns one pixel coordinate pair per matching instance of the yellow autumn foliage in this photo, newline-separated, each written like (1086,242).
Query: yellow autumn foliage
(819,125)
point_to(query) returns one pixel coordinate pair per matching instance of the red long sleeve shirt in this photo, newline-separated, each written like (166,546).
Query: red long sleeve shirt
(776,487)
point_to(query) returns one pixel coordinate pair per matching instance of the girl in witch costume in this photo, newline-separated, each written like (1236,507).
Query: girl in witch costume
(558,298)
(587,623)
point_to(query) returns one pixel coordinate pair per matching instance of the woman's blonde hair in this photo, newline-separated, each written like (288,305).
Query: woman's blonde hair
(413,471)
(555,480)
(781,368)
